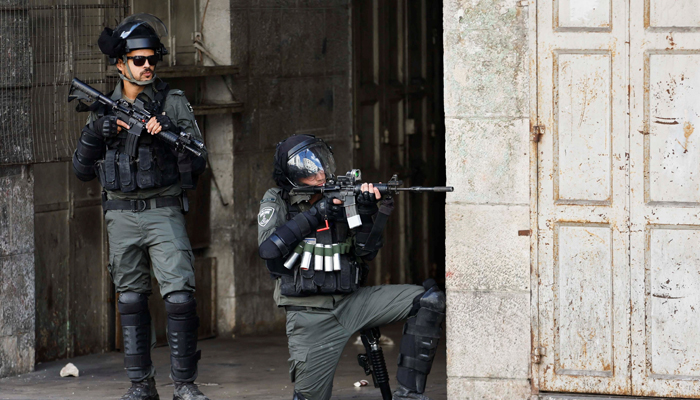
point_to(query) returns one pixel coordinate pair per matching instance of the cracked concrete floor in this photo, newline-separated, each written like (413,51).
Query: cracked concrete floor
(249,367)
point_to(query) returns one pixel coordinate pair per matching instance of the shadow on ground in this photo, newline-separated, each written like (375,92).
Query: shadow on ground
(250,367)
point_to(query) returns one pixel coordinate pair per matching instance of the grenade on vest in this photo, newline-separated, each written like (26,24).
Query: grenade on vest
(326,257)
(305,249)
(318,257)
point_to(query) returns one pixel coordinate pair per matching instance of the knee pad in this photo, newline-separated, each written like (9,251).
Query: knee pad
(420,339)
(132,302)
(434,300)
(175,299)
(136,330)
(182,335)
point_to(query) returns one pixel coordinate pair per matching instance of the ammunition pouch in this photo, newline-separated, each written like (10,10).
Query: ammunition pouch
(312,281)
(153,163)
(148,175)
(155,167)
(317,265)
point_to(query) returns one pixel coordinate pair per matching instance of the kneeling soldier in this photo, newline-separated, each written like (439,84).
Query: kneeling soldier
(322,292)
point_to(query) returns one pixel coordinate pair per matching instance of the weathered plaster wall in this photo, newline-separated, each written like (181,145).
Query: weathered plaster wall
(216,33)
(16,270)
(294,59)
(487,263)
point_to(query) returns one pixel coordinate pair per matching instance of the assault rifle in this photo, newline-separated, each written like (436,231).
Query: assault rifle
(346,187)
(136,116)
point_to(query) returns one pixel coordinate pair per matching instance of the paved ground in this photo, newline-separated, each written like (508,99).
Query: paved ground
(252,367)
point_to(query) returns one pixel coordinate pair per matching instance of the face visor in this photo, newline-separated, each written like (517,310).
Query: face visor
(130,23)
(143,31)
(310,165)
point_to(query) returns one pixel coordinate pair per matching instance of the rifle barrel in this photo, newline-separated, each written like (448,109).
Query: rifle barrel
(383,188)
(441,189)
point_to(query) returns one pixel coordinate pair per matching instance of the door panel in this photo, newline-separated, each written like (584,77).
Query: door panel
(665,197)
(583,234)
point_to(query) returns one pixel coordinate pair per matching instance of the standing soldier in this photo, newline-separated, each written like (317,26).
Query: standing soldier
(325,306)
(143,202)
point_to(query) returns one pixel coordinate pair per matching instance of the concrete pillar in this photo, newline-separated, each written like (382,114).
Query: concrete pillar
(487,263)
(16,270)
(216,33)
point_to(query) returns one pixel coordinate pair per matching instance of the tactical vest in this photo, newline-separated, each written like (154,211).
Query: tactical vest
(154,166)
(323,268)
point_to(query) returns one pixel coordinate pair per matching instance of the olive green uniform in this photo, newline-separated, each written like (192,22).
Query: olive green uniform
(156,234)
(318,334)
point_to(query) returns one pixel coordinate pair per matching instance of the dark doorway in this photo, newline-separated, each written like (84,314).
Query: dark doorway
(399,127)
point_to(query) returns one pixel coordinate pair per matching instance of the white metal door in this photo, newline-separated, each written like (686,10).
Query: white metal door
(583,223)
(665,197)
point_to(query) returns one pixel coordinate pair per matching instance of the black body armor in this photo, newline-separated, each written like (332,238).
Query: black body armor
(155,164)
(310,281)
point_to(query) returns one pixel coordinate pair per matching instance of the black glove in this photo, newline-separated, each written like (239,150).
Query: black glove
(367,203)
(388,202)
(327,210)
(165,123)
(106,126)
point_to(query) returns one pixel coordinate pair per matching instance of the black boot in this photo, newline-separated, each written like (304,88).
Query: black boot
(419,343)
(144,390)
(404,393)
(188,391)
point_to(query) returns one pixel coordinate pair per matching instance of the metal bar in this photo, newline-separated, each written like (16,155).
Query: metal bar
(52,84)
(210,109)
(59,7)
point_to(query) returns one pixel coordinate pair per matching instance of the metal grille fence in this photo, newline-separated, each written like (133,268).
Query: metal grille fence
(43,45)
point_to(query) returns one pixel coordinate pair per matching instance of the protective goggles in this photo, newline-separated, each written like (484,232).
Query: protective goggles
(314,160)
(140,61)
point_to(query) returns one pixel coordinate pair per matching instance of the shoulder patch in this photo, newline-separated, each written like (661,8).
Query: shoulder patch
(176,92)
(265,216)
(189,107)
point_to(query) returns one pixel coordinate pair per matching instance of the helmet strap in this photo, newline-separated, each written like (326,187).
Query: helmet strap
(131,76)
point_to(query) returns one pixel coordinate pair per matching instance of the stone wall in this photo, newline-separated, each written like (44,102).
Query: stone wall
(16,270)
(16,196)
(487,263)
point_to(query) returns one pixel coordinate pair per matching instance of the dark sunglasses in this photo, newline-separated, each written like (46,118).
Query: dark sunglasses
(139,61)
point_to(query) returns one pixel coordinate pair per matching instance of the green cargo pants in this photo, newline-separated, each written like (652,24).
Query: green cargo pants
(157,235)
(317,338)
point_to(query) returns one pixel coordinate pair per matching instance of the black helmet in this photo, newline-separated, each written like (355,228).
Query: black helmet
(138,31)
(301,156)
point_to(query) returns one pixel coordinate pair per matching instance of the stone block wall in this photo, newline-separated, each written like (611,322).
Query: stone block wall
(16,270)
(487,263)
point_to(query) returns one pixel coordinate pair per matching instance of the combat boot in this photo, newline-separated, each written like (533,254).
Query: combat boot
(188,391)
(144,390)
(404,393)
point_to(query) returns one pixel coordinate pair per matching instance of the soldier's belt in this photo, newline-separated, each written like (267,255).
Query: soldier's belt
(141,205)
